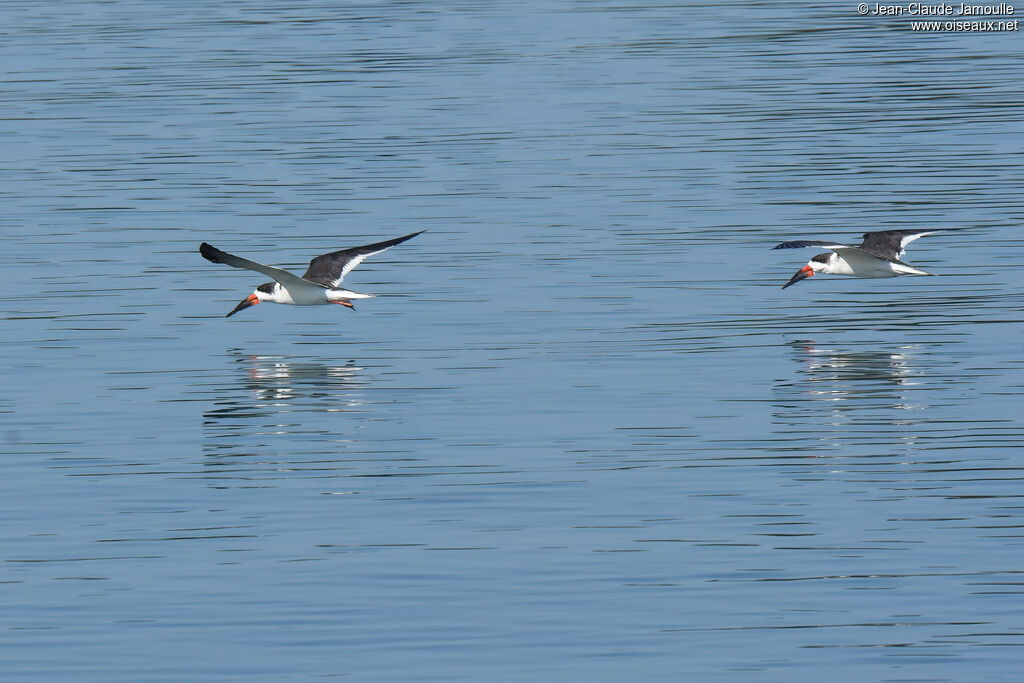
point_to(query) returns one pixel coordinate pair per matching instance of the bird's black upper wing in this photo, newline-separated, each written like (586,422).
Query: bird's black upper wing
(212,253)
(797,244)
(891,244)
(329,270)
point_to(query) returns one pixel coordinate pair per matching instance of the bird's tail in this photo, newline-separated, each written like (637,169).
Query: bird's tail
(346,294)
(904,269)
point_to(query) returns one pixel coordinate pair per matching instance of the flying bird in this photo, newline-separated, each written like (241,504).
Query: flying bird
(320,284)
(877,256)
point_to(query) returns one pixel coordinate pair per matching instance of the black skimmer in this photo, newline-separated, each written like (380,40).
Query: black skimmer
(320,284)
(877,256)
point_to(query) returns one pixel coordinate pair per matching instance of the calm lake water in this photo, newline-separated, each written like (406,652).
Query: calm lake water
(581,434)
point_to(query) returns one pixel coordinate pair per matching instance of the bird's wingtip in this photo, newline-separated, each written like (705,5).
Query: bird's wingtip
(210,252)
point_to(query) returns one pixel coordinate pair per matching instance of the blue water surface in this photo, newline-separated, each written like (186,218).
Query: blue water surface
(581,433)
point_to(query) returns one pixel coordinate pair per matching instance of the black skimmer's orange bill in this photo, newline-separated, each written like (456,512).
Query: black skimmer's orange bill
(877,256)
(320,284)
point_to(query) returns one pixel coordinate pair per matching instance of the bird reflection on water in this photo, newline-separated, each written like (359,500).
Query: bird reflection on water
(844,376)
(853,397)
(277,385)
(280,417)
